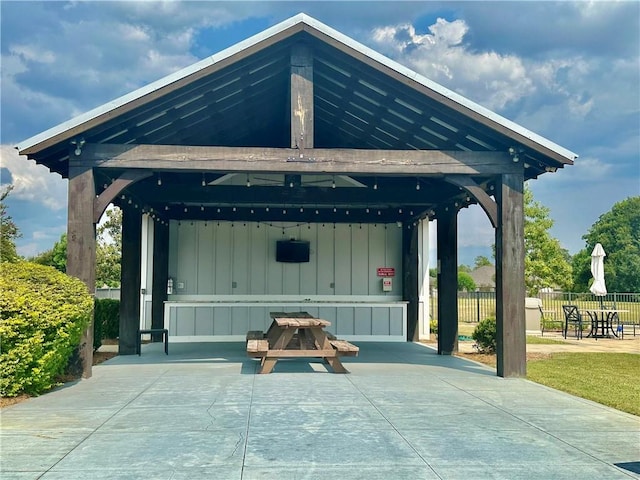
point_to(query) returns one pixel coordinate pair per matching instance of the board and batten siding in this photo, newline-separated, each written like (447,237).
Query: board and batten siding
(226,279)
(224,258)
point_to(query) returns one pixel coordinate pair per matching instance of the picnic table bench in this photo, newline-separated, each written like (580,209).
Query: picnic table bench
(297,334)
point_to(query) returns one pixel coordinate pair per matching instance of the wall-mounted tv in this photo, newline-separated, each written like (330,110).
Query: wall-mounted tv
(292,251)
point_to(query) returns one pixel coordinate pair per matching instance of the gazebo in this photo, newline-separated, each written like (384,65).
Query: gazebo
(297,133)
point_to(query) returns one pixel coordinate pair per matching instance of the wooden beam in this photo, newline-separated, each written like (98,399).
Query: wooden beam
(410,278)
(130,280)
(510,290)
(81,247)
(256,195)
(476,191)
(301,98)
(447,253)
(160,275)
(127,178)
(288,160)
(280,213)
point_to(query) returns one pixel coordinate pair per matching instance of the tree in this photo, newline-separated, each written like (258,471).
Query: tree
(9,232)
(546,263)
(482,261)
(109,249)
(465,282)
(619,233)
(56,257)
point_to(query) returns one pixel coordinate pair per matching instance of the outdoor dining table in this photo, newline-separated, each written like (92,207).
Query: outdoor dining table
(298,334)
(602,321)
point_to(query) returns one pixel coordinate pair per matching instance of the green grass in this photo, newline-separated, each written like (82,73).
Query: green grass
(533,340)
(607,378)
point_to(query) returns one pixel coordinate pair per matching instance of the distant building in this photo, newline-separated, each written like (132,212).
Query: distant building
(485,277)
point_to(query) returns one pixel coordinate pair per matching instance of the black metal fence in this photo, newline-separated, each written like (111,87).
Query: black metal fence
(476,306)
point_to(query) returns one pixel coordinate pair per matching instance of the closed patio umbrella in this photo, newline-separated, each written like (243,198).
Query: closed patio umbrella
(598,287)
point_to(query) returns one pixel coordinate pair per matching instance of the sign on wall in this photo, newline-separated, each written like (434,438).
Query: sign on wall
(386,272)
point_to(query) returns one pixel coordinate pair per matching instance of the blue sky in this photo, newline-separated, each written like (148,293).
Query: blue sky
(569,71)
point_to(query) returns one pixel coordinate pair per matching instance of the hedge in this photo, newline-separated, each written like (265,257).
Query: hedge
(106,320)
(43,314)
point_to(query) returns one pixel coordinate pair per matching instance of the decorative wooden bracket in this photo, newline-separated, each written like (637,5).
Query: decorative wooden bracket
(112,191)
(486,202)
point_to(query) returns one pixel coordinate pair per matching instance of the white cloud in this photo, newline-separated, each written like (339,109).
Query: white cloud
(489,78)
(32,182)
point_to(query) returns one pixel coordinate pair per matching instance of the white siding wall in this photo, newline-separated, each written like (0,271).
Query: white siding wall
(226,279)
(222,259)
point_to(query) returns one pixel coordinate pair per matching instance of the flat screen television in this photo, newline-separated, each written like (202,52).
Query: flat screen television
(292,251)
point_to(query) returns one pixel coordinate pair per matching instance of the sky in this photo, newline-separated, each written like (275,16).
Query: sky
(569,71)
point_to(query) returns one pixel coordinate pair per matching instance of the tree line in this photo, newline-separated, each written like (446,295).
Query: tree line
(547,264)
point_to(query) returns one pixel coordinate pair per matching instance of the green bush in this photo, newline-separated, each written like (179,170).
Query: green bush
(106,320)
(485,335)
(433,326)
(43,314)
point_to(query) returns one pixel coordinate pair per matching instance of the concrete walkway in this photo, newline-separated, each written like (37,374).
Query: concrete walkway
(402,413)
(629,344)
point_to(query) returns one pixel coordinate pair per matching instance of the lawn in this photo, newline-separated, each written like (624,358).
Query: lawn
(607,378)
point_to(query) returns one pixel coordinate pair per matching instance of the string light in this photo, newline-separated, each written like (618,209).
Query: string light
(333,182)
(248,181)
(417,184)
(159,180)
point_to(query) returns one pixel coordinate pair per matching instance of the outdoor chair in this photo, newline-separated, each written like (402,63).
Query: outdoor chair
(548,321)
(572,316)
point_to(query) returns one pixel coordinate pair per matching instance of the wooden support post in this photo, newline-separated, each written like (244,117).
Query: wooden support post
(510,289)
(447,246)
(160,276)
(130,280)
(410,278)
(301,98)
(81,247)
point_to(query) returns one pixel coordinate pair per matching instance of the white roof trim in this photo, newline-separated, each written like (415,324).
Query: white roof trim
(300,19)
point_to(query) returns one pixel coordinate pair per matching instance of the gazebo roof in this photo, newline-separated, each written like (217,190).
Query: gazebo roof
(240,97)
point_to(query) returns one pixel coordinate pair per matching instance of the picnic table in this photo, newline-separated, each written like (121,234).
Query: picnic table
(297,334)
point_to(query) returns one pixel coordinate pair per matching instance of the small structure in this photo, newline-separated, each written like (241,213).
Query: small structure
(485,278)
(298,132)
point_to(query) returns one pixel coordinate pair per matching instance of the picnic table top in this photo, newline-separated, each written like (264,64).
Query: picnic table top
(297,319)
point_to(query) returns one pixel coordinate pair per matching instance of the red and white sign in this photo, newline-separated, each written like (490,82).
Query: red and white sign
(386,272)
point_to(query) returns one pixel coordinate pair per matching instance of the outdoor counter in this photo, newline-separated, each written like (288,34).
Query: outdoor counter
(191,320)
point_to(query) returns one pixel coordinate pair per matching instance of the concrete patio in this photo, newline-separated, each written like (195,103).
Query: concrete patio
(402,413)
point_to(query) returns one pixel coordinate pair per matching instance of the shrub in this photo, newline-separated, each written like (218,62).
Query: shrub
(485,335)
(43,314)
(106,320)
(433,326)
